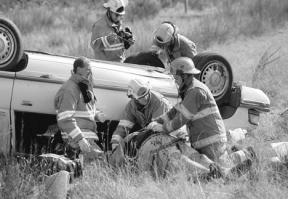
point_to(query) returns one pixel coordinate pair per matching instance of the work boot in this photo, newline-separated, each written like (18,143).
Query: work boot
(215,172)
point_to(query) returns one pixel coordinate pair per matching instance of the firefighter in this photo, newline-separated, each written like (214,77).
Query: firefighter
(199,111)
(109,38)
(169,44)
(145,105)
(75,105)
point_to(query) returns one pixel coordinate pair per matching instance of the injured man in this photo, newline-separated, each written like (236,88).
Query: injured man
(166,154)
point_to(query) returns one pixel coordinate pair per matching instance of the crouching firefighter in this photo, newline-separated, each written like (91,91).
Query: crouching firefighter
(199,111)
(144,106)
(75,105)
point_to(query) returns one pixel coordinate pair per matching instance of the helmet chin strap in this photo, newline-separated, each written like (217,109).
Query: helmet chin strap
(140,106)
(108,13)
(186,82)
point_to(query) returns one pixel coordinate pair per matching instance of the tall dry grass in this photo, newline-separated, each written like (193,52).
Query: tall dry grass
(226,20)
(21,180)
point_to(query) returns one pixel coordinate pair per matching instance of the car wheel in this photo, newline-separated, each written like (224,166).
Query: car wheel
(11,49)
(216,73)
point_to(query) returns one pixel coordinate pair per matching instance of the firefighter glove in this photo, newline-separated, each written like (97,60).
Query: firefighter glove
(84,145)
(155,126)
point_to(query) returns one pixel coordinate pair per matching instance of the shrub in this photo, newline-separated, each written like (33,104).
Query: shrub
(232,19)
(31,18)
(139,9)
(198,4)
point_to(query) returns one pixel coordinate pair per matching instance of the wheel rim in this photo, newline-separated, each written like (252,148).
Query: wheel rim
(216,76)
(7,45)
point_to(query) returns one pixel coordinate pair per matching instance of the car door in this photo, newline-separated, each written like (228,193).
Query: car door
(36,86)
(6,87)
(34,92)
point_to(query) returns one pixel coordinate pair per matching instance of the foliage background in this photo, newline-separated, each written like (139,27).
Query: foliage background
(242,31)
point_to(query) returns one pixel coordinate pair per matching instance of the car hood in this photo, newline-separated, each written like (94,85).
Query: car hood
(254,98)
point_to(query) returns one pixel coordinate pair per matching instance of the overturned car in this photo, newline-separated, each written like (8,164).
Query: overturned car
(29,81)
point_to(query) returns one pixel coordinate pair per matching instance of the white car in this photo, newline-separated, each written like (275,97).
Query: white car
(29,81)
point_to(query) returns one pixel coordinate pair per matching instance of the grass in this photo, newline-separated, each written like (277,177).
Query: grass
(240,31)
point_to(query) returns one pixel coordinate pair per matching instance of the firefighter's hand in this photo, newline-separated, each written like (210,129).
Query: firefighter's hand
(131,135)
(156,50)
(155,126)
(84,145)
(114,146)
(128,37)
(101,117)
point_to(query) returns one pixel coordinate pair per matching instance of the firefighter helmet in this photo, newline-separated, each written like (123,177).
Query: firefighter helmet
(164,34)
(137,89)
(183,65)
(116,6)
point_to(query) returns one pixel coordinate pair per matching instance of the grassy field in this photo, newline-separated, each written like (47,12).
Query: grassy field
(245,32)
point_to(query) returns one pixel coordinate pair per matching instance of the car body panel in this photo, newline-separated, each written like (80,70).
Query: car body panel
(238,121)
(39,82)
(33,90)
(6,86)
(254,98)
(36,86)
(5,133)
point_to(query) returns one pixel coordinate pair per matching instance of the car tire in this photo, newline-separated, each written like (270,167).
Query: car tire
(11,48)
(216,73)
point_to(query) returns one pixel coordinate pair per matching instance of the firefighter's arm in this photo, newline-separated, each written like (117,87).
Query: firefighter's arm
(99,54)
(104,43)
(66,122)
(124,126)
(161,109)
(158,123)
(96,43)
(100,116)
(177,122)
(186,110)
(166,117)
(189,48)
(121,131)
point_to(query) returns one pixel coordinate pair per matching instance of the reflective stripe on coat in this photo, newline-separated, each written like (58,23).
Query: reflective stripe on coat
(199,111)
(105,42)
(73,115)
(157,106)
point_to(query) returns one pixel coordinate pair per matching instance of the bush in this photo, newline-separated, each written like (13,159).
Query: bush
(252,18)
(139,9)
(31,18)
(198,4)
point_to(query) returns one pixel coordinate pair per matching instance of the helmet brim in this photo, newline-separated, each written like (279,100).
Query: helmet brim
(107,6)
(160,44)
(195,71)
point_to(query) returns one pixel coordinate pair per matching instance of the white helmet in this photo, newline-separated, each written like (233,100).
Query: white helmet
(137,89)
(116,6)
(164,34)
(184,65)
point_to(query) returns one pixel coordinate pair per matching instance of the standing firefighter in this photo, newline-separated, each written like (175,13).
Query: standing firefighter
(169,44)
(109,39)
(75,104)
(199,111)
(144,106)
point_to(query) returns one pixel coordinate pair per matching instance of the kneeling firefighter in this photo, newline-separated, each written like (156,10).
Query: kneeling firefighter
(145,105)
(199,111)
